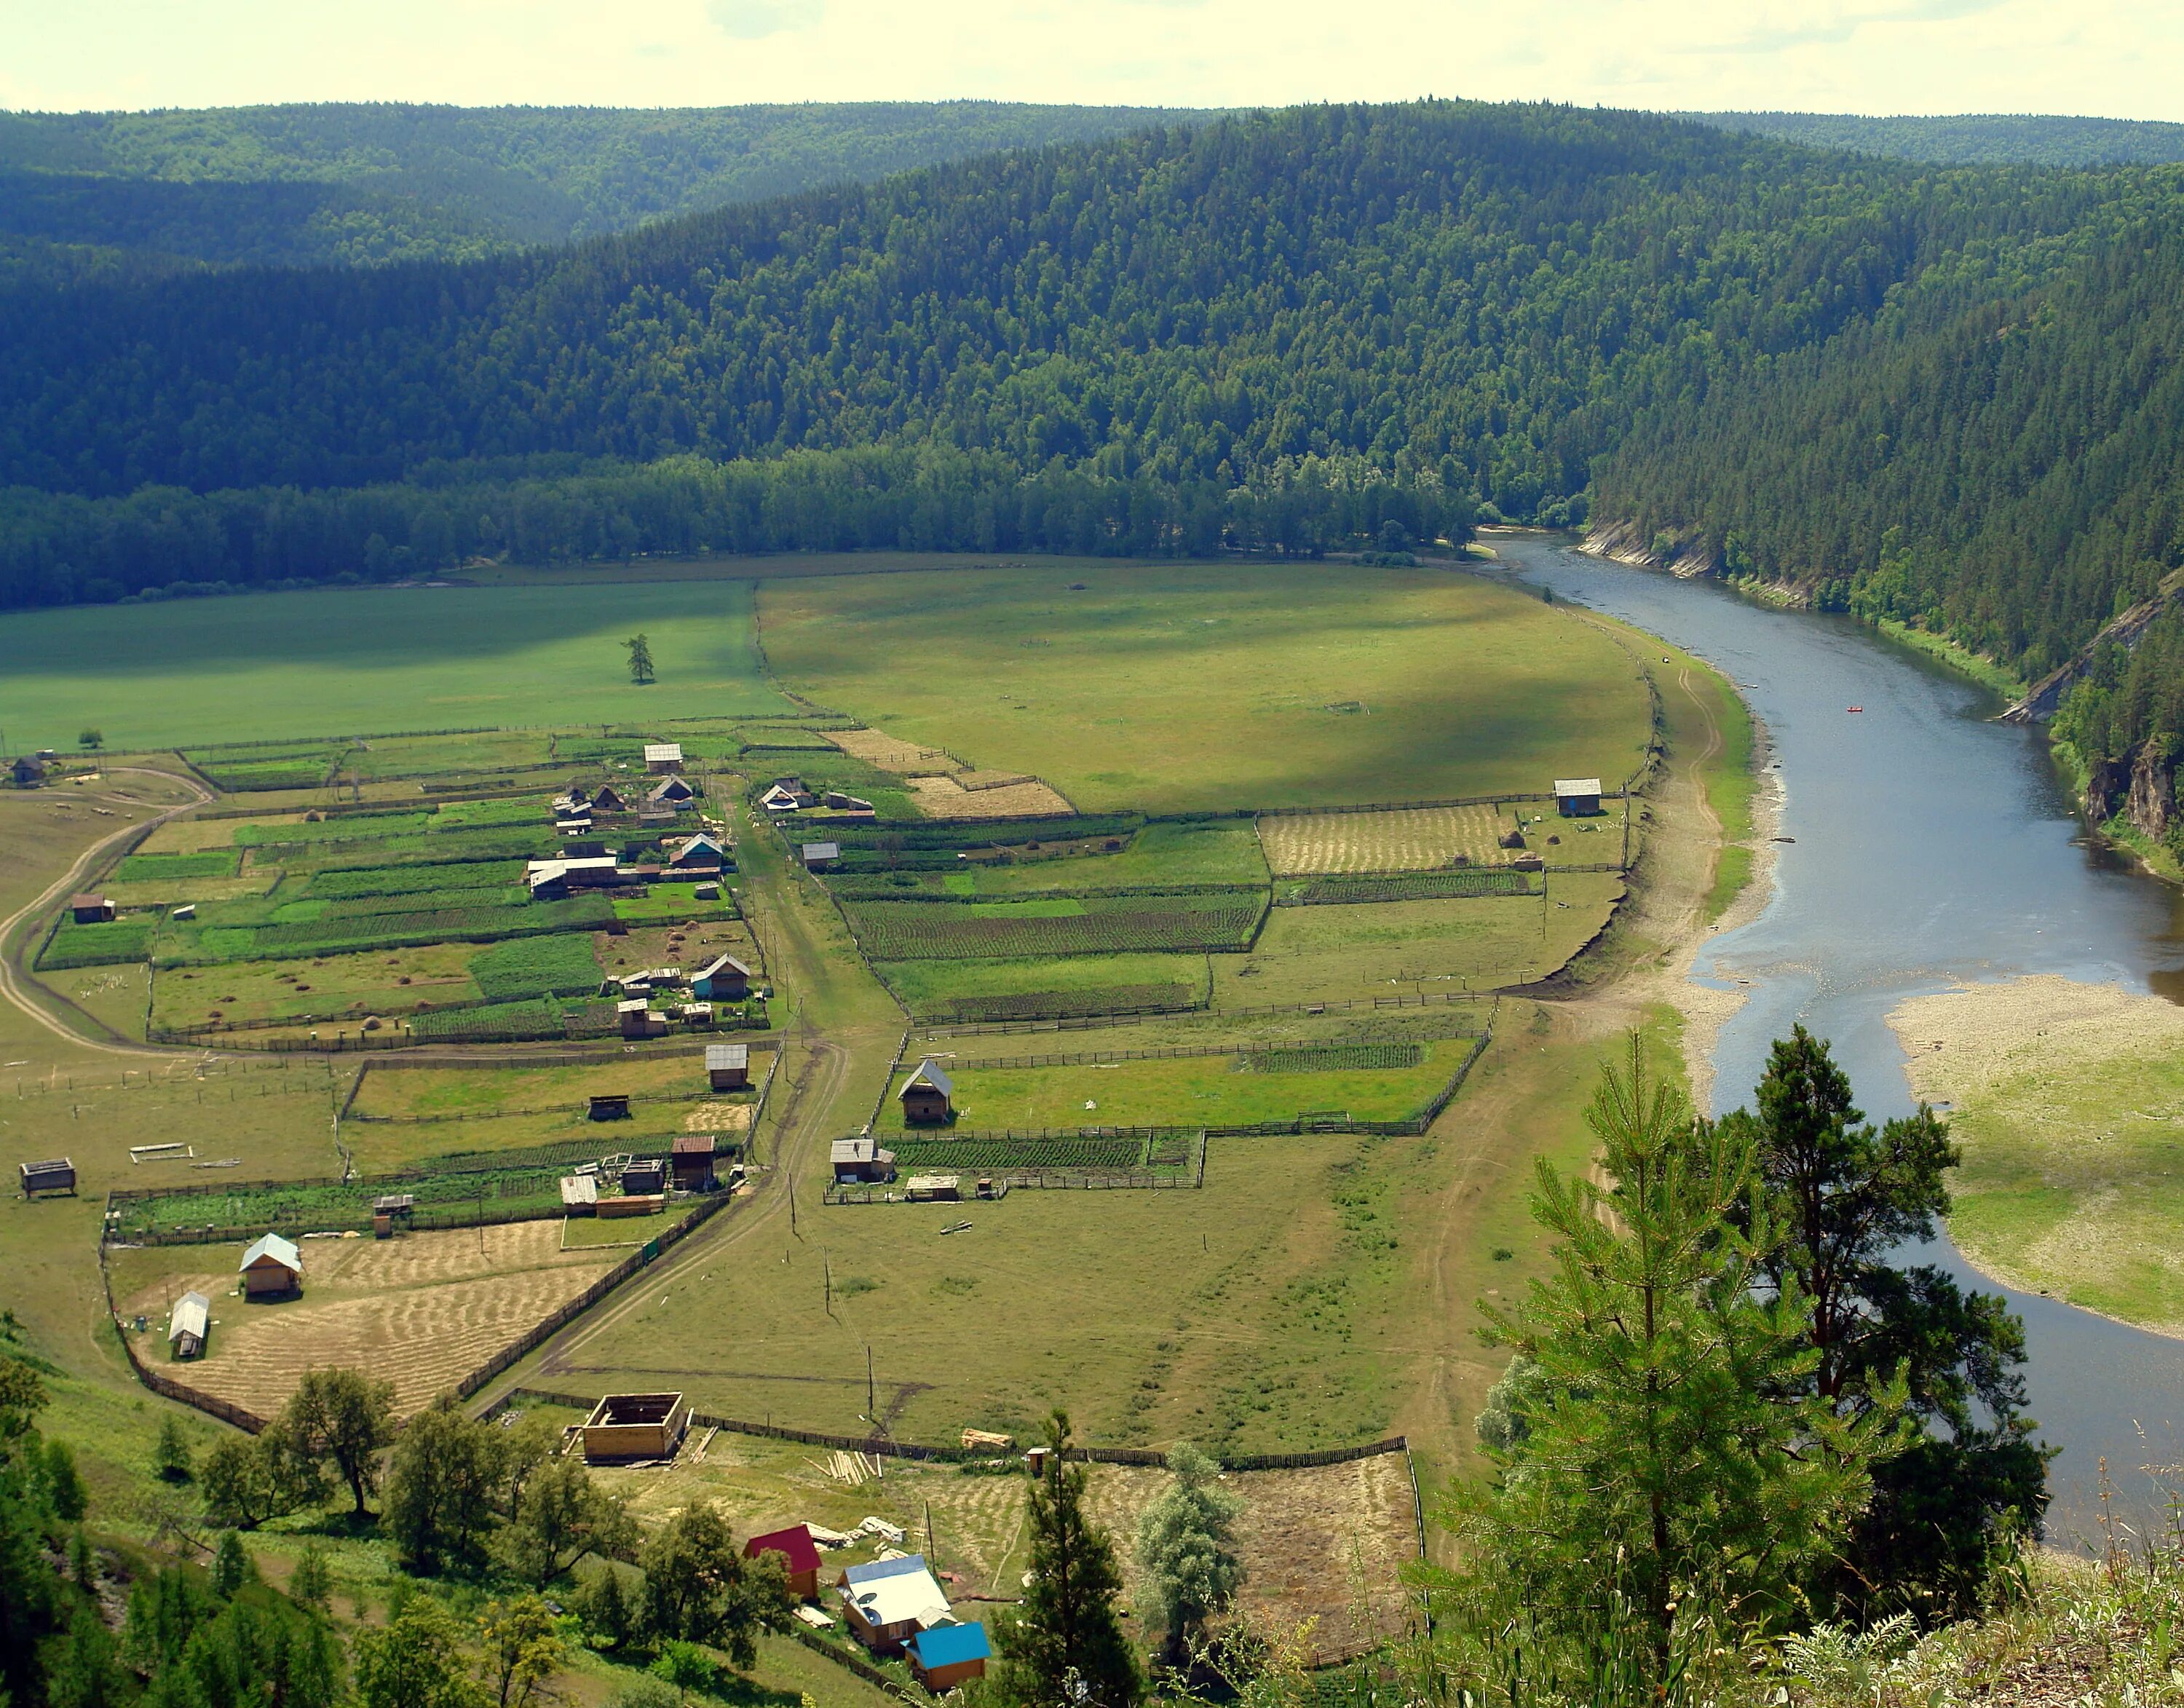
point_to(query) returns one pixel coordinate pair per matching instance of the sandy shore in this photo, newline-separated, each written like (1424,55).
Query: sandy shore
(1962,1040)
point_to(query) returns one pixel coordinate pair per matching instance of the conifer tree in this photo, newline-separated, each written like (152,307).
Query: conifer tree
(640,647)
(1675,1468)
(1068,1651)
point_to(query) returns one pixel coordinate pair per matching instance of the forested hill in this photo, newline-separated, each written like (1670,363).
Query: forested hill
(1972,138)
(349,184)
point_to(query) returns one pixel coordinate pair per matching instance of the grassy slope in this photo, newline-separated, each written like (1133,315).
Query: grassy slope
(1187,687)
(377,659)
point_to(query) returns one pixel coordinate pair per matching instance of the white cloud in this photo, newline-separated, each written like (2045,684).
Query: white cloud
(747,20)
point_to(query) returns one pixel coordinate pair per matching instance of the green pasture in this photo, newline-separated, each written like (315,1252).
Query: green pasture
(967,928)
(1346,951)
(372,660)
(1175,687)
(1212,850)
(1076,984)
(389,1092)
(1199,1091)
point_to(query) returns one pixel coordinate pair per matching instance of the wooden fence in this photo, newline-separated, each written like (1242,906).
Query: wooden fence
(1090,1023)
(1169,1052)
(886,1447)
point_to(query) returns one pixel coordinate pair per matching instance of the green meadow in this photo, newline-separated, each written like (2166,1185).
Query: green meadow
(371,660)
(1183,687)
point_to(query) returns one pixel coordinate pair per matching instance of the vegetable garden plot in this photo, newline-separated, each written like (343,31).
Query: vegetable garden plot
(153,868)
(1330,1058)
(209,939)
(1413,886)
(1096,925)
(556,966)
(1057,1005)
(976,1153)
(97,946)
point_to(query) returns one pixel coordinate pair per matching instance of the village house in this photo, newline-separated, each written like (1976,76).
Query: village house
(27,773)
(661,757)
(607,801)
(551,880)
(639,1018)
(91,910)
(929,1095)
(820,856)
(271,1269)
(704,852)
(860,1160)
(948,1655)
(723,979)
(890,1601)
(188,1323)
(840,800)
(727,1067)
(672,794)
(799,1556)
(779,799)
(1577,797)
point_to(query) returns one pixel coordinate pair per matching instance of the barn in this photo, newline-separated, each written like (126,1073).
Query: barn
(727,1067)
(673,794)
(820,856)
(927,1095)
(272,1268)
(663,756)
(91,910)
(1577,797)
(188,1323)
(606,801)
(800,1555)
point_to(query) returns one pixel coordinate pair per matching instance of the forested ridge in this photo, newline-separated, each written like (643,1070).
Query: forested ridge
(1272,331)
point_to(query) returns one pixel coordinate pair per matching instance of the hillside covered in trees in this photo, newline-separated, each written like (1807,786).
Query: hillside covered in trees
(1965,139)
(1274,331)
(334,184)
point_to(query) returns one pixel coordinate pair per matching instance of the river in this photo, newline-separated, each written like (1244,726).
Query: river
(1927,847)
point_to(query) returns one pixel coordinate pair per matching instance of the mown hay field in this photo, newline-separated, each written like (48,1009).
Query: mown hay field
(1180,688)
(1013,989)
(944,797)
(422,1311)
(1407,839)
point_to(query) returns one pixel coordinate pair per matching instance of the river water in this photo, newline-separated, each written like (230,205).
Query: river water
(1931,847)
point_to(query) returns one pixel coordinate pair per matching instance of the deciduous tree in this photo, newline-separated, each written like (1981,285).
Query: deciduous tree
(344,1418)
(1188,1568)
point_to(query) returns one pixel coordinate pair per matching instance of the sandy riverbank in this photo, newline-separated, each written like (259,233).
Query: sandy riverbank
(2068,1102)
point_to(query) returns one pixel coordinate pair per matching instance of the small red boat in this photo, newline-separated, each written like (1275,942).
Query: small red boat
(1858,708)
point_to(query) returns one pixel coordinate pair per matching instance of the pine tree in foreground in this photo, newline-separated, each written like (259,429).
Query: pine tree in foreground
(1676,1478)
(1067,1649)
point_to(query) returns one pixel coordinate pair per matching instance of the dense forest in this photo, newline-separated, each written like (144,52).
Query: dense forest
(1466,304)
(346,184)
(1967,139)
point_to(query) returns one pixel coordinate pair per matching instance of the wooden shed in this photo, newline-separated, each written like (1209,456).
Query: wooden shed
(608,1106)
(944,1657)
(799,1557)
(54,1174)
(188,1325)
(645,1175)
(272,1268)
(91,910)
(626,1426)
(727,1067)
(860,1160)
(663,756)
(639,1018)
(691,1160)
(391,1212)
(1577,797)
(929,1095)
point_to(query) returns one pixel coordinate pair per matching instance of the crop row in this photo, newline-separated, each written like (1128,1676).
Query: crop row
(97,946)
(913,933)
(312,1207)
(534,1017)
(346,882)
(213,862)
(1059,1151)
(561,965)
(1414,886)
(1331,1059)
(1054,1005)
(217,943)
(921,835)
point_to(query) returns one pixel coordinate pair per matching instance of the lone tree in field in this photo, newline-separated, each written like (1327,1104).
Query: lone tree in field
(640,658)
(1676,1471)
(91,740)
(1190,1571)
(1068,1650)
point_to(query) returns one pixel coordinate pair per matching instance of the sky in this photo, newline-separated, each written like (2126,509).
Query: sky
(2121,59)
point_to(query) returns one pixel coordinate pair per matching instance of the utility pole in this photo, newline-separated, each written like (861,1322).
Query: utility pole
(871,1398)
(1626,827)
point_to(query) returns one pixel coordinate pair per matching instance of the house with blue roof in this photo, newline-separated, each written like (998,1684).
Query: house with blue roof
(947,1655)
(889,1601)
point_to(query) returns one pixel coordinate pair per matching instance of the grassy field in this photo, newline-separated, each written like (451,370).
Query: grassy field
(1208,1091)
(1175,688)
(2066,1099)
(1081,984)
(377,659)
(1348,951)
